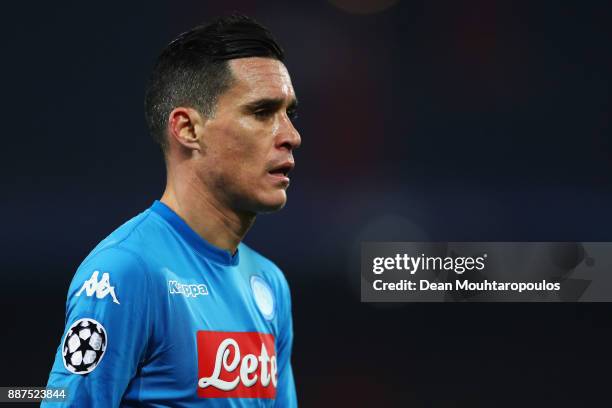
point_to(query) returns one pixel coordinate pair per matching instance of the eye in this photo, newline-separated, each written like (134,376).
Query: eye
(292,114)
(263,114)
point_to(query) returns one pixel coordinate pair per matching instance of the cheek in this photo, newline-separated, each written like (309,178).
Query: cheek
(240,149)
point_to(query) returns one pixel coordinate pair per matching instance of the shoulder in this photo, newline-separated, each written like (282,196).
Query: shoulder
(264,267)
(135,236)
(123,256)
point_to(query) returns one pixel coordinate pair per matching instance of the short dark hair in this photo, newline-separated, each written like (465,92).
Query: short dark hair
(193,71)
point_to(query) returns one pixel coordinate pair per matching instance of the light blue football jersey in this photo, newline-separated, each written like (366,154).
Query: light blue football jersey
(156,317)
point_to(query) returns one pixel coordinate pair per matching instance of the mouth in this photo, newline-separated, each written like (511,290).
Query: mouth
(281,171)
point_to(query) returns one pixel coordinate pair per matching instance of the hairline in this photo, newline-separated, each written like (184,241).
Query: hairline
(232,80)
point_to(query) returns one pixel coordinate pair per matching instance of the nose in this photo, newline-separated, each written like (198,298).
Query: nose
(288,136)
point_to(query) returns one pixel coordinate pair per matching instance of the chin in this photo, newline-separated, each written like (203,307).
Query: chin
(272,202)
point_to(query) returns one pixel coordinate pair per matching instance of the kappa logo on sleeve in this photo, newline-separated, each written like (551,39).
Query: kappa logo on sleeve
(100,288)
(236,365)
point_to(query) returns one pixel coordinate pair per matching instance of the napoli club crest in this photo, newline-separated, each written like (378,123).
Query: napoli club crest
(264,297)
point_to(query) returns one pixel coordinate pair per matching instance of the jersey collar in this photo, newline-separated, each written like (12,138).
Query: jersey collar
(193,239)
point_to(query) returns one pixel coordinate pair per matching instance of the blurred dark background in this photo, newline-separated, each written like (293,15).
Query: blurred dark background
(420,120)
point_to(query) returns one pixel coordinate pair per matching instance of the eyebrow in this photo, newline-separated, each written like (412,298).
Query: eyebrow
(270,104)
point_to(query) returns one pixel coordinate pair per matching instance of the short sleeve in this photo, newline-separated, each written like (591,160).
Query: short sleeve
(106,331)
(285,393)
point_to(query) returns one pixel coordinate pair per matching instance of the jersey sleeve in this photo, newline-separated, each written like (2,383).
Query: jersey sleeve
(106,330)
(285,392)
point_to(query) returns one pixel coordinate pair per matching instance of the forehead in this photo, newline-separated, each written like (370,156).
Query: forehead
(256,78)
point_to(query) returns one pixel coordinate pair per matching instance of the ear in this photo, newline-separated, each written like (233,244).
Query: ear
(182,124)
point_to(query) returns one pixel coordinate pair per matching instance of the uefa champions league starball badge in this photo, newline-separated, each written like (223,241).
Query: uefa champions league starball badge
(84,346)
(264,297)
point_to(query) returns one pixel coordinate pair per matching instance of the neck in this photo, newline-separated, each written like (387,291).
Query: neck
(206,215)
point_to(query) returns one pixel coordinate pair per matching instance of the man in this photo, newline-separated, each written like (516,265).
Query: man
(171,309)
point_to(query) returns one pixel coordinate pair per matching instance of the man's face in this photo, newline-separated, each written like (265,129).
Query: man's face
(247,145)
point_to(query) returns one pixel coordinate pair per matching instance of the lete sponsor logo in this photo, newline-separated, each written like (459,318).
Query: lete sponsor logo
(236,365)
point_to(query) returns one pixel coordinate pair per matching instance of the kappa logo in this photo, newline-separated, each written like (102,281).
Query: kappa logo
(187,290)
(101,288)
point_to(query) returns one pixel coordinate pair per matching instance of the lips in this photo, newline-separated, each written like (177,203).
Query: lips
(282,169)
